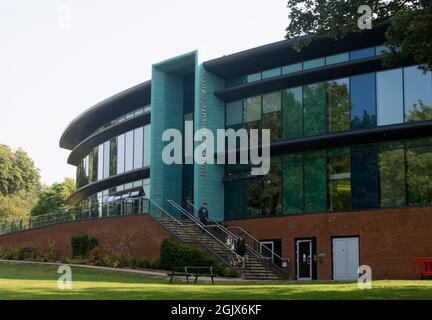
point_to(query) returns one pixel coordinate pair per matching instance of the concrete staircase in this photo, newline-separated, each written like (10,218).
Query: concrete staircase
(189,230)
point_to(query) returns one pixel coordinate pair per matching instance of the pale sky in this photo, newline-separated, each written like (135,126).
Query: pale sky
(58,58)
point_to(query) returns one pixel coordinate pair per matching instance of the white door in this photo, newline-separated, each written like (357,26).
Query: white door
(345,258)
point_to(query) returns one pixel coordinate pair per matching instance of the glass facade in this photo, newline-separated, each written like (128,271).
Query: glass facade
(380,175)
(307,65)
(120,154)
(356,102)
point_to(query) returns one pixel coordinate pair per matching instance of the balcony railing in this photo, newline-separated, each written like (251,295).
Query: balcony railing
(123,207)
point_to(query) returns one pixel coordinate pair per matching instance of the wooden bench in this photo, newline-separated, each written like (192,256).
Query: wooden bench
(192,272)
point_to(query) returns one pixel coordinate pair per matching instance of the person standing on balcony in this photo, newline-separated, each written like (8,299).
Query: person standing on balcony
(203,215)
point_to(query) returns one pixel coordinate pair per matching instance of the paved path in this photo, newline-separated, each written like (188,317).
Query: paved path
(148,272)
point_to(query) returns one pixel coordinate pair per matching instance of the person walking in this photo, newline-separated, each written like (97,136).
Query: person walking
(203,215)
(240,248)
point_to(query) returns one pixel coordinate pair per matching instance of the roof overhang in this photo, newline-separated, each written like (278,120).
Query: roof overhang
(91,119)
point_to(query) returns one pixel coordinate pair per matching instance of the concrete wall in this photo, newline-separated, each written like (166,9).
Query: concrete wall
(389,239)
(137,236)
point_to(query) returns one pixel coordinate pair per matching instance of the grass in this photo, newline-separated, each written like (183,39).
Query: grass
(20,281)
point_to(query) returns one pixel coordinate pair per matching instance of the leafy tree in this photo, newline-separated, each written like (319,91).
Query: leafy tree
(19,183)
(408,36)
(17,172)
(54,197)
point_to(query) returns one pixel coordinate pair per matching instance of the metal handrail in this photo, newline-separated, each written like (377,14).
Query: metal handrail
(255,240)
(200,225)
(163,210)
(94,210)
(253,250)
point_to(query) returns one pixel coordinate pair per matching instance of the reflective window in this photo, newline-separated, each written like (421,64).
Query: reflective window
(392,177)
(315,63)
(254,194)
(271,73)
(417,94)
(113,156)
(314,108)
(234,113)
(253,109)
(315,188)
(296,67)
(338,109)
(120,153)
(292,113)
(337,58)
(339,180)
(138,147)
(362,53)
(147,145)
(106,159)
(419,176)
(253,77)
(364,177)
(100,162)
(129,151)
(271,117)
(292,170)
(390,97)
(272,189)
(363,97)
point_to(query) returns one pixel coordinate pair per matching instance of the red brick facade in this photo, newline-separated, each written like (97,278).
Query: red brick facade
(137,236)
(389,239)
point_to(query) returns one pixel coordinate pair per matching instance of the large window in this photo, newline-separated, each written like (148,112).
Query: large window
(363,97)
(100,162)
(364,177)
(113,157)
(315,190)
(292,171)
(314,106)
(338,105)
(390,97)
(339,179)
(395,174)
(138,147)
(106,159)
(272,189)
(234,114)
(417,94)
(147,145)
(120,153)
(292,113)
(419,175)
(271,118)
(392,176)
(129,151)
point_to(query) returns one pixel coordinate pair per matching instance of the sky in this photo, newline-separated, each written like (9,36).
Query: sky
(59,58)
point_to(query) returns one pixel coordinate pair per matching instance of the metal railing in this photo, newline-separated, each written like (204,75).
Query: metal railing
(209,240)
(255,247)
(123,207)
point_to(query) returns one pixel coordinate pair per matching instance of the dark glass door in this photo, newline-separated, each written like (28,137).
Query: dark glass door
(304,260)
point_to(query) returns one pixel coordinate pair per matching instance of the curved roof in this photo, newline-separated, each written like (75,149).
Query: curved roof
(91,119)
(282,52)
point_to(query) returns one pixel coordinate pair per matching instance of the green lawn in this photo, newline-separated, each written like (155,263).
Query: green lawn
(40,282)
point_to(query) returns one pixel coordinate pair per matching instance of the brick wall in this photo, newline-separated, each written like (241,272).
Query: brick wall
(138,236)
(389,239)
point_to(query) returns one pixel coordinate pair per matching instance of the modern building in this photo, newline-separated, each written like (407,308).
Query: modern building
(351,151)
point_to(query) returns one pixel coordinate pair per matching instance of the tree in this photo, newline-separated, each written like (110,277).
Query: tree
(19,183)
(408,36)
(54,198)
